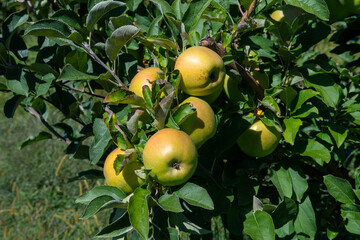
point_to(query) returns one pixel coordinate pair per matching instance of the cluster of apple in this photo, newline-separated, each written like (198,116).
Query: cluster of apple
(171,154)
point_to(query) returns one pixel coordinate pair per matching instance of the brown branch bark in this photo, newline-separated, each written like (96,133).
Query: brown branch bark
(98,60)
(47,125)
(246,15)
(82,91)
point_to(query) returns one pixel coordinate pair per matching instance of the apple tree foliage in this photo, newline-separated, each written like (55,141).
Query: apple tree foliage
(74,59)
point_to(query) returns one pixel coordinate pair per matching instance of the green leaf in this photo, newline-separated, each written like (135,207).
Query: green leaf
(326,86)
(170,202)
(351,215)
(194,13)
(69,73)
(118,39)
(270,103)
(195,195)
(318,152)
(282,181)
(12,104)
(33,139)
(117,130)
(305,111)
(138,212)
(339,133)
(41,68)
(316,7)
(99,191)
(183,112)
(302,97)
(292,126)
(147,95)
(68,17)
(43,84)
(339,188)
(305,222)
(99,10)
(174,233)
(162,111)
(284,212)
(125,97)
(101,141)
(15,20)
(163,6)
(49,28)
(259,225)
(95,206)
(16,81)
(120,227)
(184,224)
(263,43)
(299,182)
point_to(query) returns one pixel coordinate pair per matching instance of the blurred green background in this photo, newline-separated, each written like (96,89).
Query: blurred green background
(36,199)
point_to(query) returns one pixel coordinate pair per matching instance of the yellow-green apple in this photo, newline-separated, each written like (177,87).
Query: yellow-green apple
(142,78)
(126,180)
(202,71)
(259,140)
(171,156)
(200,126)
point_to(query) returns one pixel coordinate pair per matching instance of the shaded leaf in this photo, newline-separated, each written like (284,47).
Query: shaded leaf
(339,133)
(193,14)
(284,212)
(33,139)
(317,151)
(69,73)
(95,206)
(305,222)
(99,10)
(299,182)
(12,104)
(118,39)
(316,7)
(49,28)
(339,188)
(184,224)
(282,181)
(120,227)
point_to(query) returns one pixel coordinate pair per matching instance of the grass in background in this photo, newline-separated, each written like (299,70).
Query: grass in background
(34,202)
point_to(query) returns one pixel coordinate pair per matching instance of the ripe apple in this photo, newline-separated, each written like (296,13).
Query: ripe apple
(202,71)
(259,140)
(200,126)
(126,180)
(142,78)
(171,156)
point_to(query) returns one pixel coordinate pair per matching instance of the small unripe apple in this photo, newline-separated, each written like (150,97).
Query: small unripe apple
(200,126)
(171,156)
(202,71)
(142,78)
(126,180)
(259,140)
